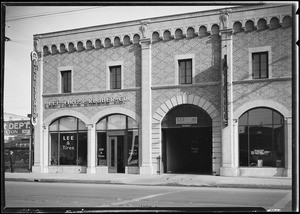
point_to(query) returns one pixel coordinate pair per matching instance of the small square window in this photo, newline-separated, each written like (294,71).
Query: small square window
(260,65)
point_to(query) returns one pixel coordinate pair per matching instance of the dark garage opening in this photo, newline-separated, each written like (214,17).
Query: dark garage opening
(187,141)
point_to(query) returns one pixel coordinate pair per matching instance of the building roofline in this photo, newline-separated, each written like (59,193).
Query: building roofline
(159,19)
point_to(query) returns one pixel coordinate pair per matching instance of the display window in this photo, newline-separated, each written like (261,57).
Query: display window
(68,142)
(261,138)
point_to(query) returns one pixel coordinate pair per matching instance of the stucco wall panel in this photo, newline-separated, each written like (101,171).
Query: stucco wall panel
(89,68)
(207,59)
(279,91)
(280,41)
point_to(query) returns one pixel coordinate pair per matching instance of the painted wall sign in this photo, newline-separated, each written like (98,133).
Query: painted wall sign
(186,120)
(17,127)
(68,141)
(225,93)
(34,69)
(85,103)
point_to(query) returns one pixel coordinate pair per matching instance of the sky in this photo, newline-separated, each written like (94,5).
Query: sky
(22,22)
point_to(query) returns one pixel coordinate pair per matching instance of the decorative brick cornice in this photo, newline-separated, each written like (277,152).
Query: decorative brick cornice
(144,29)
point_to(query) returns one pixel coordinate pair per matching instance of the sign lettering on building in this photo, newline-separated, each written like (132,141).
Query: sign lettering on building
(34,69)
(67,142)
(17,127)
(85,103)
(225,93)
(186,120)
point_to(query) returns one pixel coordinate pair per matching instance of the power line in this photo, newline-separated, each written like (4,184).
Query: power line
(27,35)
(49,14)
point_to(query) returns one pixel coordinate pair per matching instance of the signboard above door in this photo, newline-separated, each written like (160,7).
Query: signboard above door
(186,120)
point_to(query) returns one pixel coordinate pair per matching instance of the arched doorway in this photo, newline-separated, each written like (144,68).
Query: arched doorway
(187,140)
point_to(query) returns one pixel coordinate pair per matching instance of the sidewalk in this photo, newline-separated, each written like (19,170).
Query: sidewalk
(163,180)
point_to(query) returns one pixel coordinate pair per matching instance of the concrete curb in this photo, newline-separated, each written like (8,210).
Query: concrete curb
(46,180)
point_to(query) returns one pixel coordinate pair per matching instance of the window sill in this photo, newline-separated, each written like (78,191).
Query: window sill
(262,80)
(186,85)
(93,92)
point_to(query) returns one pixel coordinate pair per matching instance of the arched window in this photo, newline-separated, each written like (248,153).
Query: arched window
(155,36)
(124,130)
(262,24)
(178,34)
(237,27)
(126,40)
(261,138)
(190,32)
(117,41)
(167,35)
(80,46)
(89,45)
(202,31)
(274,23)
(68,142)
(136,39)
(98,43)
(215,29)
(71,47)
(107,43)
(287,21)
(249,25)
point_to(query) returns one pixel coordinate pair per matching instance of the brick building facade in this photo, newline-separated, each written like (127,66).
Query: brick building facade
(206,92)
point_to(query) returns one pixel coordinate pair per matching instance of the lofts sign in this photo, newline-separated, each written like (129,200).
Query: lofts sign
(85,103)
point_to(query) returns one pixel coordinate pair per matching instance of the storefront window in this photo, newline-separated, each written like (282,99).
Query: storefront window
(68,142)
(116,122)
(133,148)
(102,159)
(261,138)
(126,131)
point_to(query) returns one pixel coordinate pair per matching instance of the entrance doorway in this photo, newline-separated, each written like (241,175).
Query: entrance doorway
(187,141)
(116,150)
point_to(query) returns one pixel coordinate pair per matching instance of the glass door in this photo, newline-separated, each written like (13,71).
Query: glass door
(112,154)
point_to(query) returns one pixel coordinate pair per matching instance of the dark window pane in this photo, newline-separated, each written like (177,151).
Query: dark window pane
(133,148)
(260,139)
(260,116)
(68,124)
(185,71)
(279,145)
(260,65)
(112,152)
(54,149)
(243,120)
(66,81)
(82,149)
(115,77)
(68,148)
(101,154)
(278,119)
(188,79)
(243,145)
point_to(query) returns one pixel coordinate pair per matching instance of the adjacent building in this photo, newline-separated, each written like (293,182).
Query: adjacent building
(208,92)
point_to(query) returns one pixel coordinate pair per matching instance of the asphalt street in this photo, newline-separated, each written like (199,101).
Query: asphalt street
(31,194)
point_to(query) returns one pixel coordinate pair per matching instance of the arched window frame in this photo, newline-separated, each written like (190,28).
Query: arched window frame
(56,159)
(262,154)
